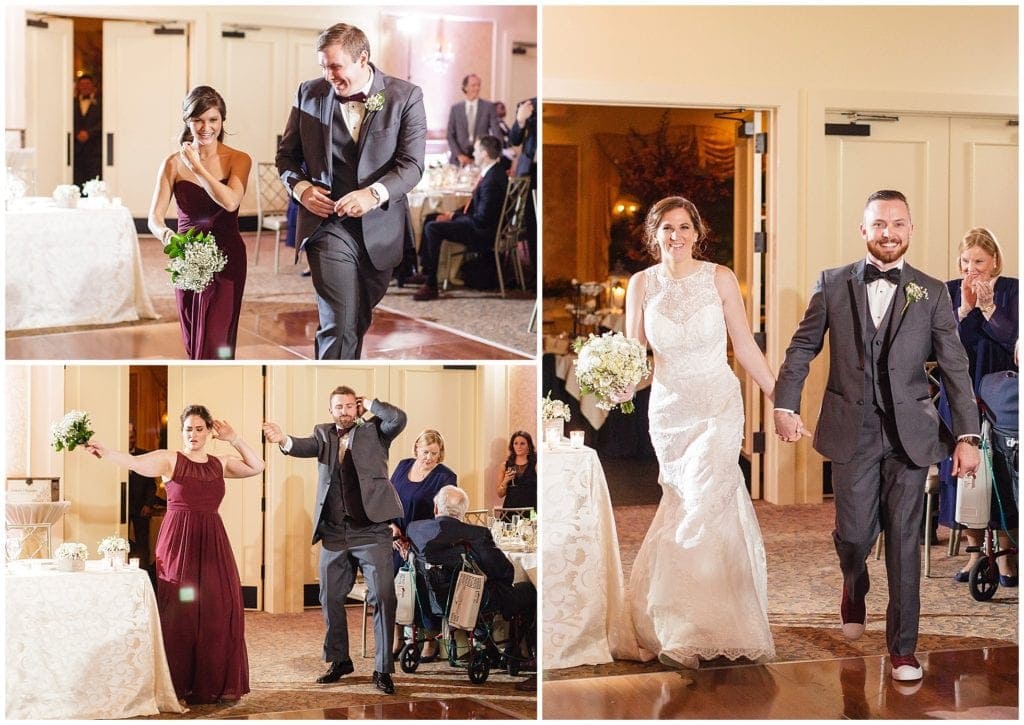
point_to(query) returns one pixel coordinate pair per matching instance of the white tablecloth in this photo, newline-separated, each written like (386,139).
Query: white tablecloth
(433,201)
(72,267)
(585,620)
(84,645)
(525,564)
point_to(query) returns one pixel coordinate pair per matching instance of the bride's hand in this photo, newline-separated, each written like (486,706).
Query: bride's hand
(624,395)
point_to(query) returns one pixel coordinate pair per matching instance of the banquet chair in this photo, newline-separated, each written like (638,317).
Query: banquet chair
(505,514)
(477,517)
(506,240)
(271,207)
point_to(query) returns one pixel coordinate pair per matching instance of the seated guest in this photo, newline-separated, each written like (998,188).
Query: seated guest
(475,226)
(443,540)
(469,121)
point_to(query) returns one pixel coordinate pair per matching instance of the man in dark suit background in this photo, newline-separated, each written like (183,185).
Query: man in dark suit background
(524,134)
(470,120)
(351,150)
(877,424)
(355,503)
(475,226)
(88,125)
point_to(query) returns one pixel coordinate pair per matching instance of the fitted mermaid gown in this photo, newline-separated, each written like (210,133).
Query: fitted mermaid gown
(198,591)
(698,587)
(209,319)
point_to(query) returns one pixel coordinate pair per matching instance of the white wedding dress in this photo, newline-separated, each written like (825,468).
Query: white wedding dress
(698,587)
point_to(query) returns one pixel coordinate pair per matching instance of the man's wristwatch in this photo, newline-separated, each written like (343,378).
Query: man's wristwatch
(976,442)
(376,195)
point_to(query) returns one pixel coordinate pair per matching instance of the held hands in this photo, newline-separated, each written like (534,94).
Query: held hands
(355,203)
(317,202)
(789,427)
(965,459)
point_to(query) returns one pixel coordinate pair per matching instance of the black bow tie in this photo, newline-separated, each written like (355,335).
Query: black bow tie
(873,274)
(344,431)
(360,97)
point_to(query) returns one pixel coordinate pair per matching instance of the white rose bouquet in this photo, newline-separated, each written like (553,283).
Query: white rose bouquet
(72,550)
(94,187)
(195,258)
(73,430)
(554,409)
(66,193)
(111,544)
(610,367)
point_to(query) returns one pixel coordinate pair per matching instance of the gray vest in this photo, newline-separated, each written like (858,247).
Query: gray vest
(876,359)
(344,155)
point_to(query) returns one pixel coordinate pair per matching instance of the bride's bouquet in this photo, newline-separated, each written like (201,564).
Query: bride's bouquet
(73,430)
(610,367)
(195,258)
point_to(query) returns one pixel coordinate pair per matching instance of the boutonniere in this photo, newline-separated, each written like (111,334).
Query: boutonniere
(375,102)
(914,292)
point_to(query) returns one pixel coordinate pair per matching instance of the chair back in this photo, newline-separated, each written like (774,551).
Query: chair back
(477,517)
(505,514)
(271,193)
(513,214)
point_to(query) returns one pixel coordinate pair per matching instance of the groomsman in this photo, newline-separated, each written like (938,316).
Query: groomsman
(877,424)
(88,124)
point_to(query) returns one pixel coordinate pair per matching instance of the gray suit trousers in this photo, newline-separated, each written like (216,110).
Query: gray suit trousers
(881,490)
(337,575)
(347,286)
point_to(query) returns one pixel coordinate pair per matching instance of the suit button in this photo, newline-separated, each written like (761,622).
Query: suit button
(878,343)
(860,402)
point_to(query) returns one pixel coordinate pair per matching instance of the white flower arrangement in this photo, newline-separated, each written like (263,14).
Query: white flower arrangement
(66,192)
(375,102)
(16,187)
(73,430)
(195,258)
(914,292)
(111,544)
(610,367)
(554,409)
(94,187)
(72,551)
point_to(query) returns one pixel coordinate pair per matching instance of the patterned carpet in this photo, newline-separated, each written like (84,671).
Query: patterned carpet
(804,586)
(285,658)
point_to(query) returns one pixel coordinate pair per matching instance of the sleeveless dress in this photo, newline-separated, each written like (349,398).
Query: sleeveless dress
(209,319)
(698,587)
(198,591)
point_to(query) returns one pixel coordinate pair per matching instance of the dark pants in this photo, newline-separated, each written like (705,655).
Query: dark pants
(347,286)
(460,229)
(370,549)
(878,490)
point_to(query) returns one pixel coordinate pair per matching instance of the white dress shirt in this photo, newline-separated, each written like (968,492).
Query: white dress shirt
(881,291)
(471,120)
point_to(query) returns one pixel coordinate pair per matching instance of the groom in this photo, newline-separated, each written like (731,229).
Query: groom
(877,423)
(351,150)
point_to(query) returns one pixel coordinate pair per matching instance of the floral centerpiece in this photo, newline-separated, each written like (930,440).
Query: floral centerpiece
(114,550)
(555,415)
(610,367)
(71,556)
(195,258)
(94,187)
(66,195)
(16,187)
(73,430)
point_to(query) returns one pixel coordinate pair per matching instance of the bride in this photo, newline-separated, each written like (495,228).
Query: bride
(698,587)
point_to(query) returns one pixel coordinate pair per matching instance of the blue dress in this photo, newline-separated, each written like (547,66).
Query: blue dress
(989,345)
(418,497)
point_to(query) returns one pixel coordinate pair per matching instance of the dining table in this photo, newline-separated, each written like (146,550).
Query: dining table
(585,617)
(83,645)
(72,266)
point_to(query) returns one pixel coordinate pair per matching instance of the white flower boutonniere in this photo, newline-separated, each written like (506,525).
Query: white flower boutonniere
(375,102)
(914,292)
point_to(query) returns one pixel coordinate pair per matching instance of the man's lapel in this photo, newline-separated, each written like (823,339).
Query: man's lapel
(899,300)
(376,87)
(858,293)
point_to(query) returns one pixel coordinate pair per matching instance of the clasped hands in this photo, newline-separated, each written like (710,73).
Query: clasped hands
(789,427)
(354,204)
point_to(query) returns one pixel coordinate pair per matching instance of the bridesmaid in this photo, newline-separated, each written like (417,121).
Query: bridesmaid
(207,179)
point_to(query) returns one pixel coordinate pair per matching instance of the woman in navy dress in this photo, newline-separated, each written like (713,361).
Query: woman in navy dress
(985,306)
(207,180)
(198,590)
(417,480)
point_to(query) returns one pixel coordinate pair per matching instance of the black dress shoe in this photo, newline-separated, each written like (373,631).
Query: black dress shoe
(382,681)
(425,293)
(338,669)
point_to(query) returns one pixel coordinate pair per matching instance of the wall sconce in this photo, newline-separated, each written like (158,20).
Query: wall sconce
(626,206)
(443,53)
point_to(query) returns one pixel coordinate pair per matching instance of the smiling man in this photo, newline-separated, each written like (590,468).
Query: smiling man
(352,149)
(877,423)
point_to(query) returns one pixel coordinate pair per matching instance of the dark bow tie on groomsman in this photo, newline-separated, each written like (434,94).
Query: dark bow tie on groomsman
(873,274)
(357,97)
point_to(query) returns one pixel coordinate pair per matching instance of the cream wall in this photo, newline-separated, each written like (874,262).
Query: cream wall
(797,62)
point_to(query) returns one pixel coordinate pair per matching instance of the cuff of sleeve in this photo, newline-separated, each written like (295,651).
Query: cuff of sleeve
(300,187)
(382,192)
(784,410)
(970,438)
(286,445)
(368,404)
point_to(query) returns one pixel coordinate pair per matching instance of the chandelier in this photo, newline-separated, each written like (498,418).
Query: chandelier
(442,54)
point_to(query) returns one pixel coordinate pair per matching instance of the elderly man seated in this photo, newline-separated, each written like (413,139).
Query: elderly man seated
(443,540)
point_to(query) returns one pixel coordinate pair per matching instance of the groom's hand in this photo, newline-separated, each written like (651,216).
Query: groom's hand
(355,203)
(317,202)
(965,459)
(789,427)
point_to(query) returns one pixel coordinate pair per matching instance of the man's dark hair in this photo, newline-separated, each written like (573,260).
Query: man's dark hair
(887,195)
(491,146)
(342,390)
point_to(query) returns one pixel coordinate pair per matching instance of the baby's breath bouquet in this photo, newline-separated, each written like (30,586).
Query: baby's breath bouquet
(610,367)
(195,258)
(72,550)
(112,544)
(73,430)
(94,187)
(554,409)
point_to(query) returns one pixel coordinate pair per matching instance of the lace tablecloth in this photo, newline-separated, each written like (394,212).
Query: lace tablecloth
(72,267)
(84,645)
(586,621)
(525,564)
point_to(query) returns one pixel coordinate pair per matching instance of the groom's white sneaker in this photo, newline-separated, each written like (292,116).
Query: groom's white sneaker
(852,614)
(905,668)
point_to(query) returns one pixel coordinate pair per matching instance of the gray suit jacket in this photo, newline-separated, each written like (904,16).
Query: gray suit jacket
(392,144)
(368,444)
(921,331)
(458,127)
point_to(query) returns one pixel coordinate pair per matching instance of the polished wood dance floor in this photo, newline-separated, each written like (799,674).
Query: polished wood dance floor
(975,684)
(277,336)
(459,708)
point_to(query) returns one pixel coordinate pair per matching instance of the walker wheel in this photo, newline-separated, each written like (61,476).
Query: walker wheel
(479,667)
(984,580)
(409,657)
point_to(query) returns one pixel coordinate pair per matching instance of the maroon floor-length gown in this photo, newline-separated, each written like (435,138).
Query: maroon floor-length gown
(209,319)
(199,594)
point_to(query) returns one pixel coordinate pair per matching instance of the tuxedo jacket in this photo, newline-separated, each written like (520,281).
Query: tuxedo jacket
(922,330)
(368,445)
(486,124)
(484,211)
(391,147)
(92,122)
(443,540)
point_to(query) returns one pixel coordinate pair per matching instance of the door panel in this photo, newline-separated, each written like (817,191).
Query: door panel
(49,94)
